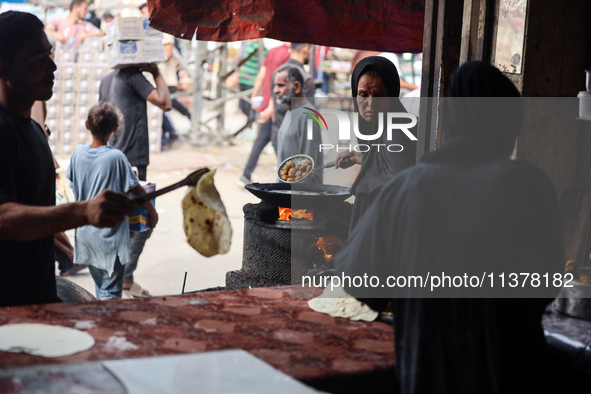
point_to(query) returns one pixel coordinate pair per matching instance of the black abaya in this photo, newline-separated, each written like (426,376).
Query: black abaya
(465,207)
(377,168)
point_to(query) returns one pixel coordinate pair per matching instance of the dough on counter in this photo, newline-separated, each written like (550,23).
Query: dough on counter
(339,303)
(43,339)
(206,223)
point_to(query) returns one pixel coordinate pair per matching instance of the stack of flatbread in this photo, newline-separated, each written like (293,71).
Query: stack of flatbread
(206,223)
(338,303)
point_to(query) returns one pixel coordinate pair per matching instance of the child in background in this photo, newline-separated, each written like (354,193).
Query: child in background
(94,168)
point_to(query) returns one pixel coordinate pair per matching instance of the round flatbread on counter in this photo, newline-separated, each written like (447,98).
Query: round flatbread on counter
(206,223)
(339,303)
(44,339)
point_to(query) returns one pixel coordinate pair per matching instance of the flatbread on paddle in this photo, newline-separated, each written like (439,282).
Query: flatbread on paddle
(339,303)
(206,223)
(44,339)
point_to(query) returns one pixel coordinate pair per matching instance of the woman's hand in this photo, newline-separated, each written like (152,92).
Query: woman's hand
(354,158)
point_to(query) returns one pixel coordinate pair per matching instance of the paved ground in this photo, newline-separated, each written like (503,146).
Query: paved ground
(167,256)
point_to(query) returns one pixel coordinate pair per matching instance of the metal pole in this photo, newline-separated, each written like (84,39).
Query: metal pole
(312,65)
(219,91)
(197,92)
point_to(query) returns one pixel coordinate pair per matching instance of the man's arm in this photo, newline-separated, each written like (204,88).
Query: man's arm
(160,96)
(23,223)
(168,51)
(406,85)
(268,113)
(85,35)
(90,30)
(52,31)
(258,84)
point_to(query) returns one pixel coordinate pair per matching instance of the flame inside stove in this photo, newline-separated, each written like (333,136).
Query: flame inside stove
(329,245)
(296,214)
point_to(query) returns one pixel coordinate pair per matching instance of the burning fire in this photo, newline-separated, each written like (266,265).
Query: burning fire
(329,245)
(301,214)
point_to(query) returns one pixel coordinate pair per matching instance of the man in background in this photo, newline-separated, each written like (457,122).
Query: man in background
(292,137)
(129,90)
(168,69)
(299,55)
(248,73)
(262,86)
(73,29)
(108,19)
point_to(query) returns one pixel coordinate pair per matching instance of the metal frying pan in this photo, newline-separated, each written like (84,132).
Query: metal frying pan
(304,195)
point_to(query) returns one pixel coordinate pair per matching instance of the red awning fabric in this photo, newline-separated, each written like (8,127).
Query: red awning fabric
(380,25)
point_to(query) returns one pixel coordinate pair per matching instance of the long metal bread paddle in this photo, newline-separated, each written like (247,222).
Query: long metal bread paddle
(190,180)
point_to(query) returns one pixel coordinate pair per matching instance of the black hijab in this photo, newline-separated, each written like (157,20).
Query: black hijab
(482,116)
(379,167)
(385,69)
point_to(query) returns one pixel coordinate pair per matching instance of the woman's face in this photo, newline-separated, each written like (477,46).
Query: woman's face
(372,97)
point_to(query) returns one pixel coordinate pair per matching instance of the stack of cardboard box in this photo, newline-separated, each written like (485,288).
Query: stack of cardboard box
(133,41)
(75,90)
(77,81)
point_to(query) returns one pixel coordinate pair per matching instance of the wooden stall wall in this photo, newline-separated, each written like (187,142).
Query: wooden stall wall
(557,51)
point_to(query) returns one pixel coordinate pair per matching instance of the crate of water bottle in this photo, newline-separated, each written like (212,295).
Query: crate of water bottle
(86,84)
(58,52)
(65,125)
(66,70)
(100,70)
(153,110)
(53,147)
(83,136)
(53,108)
(69,84)
(57,89)
(85,70)
(58,73)
(81,122)
(87,98)
(97,85)
(102,57)
(65,146)
(52,122)
(92,44)
(68,97)
(64,56)
(68,109)
(68,121)
(55,97)
(153,134)
(155,146)
(155,140)
(53,136)
(64,132)
(86,57)
(155,122)
(82,110)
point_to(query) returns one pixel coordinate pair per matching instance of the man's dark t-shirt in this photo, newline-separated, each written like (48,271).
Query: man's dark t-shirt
(127,89)
(27,176)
